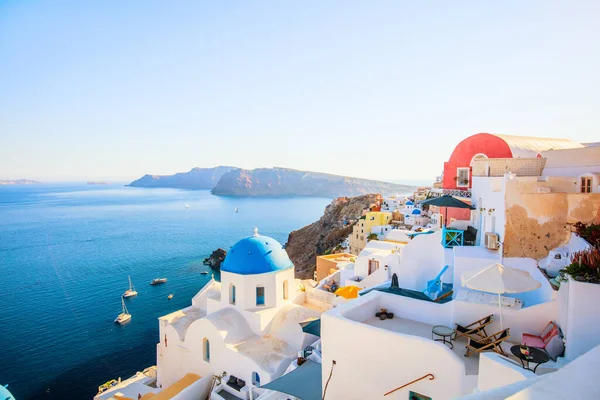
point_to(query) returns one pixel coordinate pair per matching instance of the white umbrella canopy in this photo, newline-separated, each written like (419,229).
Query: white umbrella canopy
(499,279)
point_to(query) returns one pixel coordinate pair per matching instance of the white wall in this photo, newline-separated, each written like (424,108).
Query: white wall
(422,259)
(181,357)
(245,288)
(488,193)
(197,390)
(496,371)
(582,331)
(383,360)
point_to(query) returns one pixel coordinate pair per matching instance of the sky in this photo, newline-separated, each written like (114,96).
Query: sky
(112,90)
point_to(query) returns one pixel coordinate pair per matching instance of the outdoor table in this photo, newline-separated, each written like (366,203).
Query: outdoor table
(444,332)
(536,355)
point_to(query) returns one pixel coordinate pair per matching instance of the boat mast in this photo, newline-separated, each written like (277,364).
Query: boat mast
(124,308)
(130,284)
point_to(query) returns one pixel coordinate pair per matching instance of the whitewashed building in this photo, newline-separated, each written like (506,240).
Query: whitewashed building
(247,325)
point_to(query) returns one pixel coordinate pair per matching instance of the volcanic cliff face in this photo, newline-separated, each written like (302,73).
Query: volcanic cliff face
(304,245)
(196,178)
(291,182)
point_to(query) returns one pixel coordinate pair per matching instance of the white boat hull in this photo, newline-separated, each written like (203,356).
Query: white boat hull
(130,293)
(122,318)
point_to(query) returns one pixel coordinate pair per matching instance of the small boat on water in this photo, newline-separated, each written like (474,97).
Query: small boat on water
(158,281)
(187,206)
(170,296)
(236,210)
(124,316)
(204,272)
(131,291)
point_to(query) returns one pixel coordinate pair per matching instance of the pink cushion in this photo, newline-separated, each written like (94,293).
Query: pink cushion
(532,341)
(553,332)
(547,330)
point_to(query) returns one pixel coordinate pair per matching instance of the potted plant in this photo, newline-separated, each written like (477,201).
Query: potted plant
(585,265)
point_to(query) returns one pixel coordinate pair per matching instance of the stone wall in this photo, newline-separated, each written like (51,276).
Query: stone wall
(539,222)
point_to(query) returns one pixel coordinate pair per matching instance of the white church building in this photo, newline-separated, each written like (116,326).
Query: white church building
(247,325)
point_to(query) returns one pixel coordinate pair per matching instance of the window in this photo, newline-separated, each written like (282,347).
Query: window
(462,177)
(231,294)
(357,235)
(206,346)
(285,290)
(255,379)
(586,184)
(260,296)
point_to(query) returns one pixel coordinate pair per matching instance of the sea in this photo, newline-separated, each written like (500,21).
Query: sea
(66,251)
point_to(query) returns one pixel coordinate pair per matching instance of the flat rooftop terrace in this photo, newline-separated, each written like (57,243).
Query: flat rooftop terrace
(420,329)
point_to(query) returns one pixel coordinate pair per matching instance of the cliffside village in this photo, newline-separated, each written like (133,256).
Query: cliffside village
(482,286)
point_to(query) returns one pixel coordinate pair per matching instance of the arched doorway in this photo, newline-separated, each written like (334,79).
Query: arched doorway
(255,379)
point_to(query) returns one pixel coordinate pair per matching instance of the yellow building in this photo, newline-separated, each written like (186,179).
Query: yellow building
(328,264)
(360,231)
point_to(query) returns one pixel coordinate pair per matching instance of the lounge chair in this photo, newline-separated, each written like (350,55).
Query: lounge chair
(550,340)
(476,330)
(470,236)
(492,342)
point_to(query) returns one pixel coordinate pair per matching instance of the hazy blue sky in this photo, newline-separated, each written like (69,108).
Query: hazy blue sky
(375,89)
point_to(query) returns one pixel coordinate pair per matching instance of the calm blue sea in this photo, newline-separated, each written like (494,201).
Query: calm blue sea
(65,253)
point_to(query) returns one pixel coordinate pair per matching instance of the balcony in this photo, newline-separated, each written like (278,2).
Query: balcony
(452,237)
(464,193)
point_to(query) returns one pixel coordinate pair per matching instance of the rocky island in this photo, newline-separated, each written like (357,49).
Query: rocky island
(196,178)
(19,182)
(232,181)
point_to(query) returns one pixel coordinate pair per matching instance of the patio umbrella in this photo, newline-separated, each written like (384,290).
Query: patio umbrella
(447,201)
(348,292)
(499,279)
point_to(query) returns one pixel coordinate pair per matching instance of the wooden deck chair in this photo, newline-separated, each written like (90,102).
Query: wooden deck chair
(492,342)
(476,330)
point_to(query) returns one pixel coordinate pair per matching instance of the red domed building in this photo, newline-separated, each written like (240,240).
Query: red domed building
(458,169)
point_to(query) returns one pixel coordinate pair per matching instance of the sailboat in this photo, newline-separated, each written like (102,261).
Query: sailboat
(131,291)
(124,316)
(236,210)
(187,206)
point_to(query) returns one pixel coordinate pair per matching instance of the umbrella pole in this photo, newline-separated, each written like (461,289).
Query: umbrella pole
(500,307)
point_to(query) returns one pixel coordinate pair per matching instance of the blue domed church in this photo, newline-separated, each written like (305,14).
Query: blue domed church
(247,325)
(257,274)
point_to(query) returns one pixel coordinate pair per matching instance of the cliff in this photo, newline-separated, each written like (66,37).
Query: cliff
(291,182)
(305,244)
(196,178)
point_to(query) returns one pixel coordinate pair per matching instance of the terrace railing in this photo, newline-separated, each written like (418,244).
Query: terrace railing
(430,376)
(466,193)
(452,237)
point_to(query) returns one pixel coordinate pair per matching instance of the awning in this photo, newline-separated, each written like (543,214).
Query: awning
(304,382)
(313,327)
(447,201)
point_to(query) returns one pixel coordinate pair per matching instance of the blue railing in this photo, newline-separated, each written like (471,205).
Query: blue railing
(452,237)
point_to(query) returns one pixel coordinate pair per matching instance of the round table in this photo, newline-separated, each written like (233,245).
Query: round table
(536,355)
(444,332)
